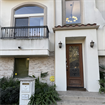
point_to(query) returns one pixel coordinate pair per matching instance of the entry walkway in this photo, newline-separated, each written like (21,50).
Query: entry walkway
(81,98)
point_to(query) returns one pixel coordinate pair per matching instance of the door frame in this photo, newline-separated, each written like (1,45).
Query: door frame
(81,60)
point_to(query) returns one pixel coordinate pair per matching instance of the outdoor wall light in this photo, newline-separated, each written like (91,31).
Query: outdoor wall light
(60,44)
(19,47)
(91,44)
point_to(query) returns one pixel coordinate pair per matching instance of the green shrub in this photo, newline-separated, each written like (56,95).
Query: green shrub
(102,80)
(9,91)
(44,94)
(44,74)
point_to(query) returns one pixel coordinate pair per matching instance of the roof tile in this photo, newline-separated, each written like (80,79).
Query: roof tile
(75,25)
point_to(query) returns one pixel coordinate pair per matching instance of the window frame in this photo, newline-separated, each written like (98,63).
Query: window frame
(64,12)
(28,16)
(13,16)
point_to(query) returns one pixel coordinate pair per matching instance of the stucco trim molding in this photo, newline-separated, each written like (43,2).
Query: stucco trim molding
(26,4)
(75,28)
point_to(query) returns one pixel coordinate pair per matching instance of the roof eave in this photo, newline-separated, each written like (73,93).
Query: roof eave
(75,28)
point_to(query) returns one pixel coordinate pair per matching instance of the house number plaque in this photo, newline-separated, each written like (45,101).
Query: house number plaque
(25,87)
(25,96)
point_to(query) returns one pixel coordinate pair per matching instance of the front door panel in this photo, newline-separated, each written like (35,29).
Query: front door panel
(74,65)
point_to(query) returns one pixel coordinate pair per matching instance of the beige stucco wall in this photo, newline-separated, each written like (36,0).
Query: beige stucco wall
(90,58)
(29,47)
(0,12)
(100,4)
(6,66)
(6,14)
(42,64)
(93,11)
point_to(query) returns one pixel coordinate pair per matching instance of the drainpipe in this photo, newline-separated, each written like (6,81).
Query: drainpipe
(0,16)
(54,21)
(53,27)
(54,13)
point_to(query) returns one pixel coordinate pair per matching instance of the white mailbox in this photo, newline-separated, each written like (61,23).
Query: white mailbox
(27,88)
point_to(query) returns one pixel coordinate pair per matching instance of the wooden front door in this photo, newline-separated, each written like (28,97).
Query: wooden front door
(74,65)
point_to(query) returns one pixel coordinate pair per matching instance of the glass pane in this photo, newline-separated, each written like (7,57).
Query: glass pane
(74,61)
(72,12)
(36,21)
(20,32)
(29,10)
(21,22)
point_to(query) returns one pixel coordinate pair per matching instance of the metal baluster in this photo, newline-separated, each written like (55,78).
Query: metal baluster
(11,32)
(23,33)
(2,33)
(15,29)
(34,31)
(20,32)
(30,32)
(29,29)
(17,32)
(6,32)
(39,32)
(44,32)
(26,32)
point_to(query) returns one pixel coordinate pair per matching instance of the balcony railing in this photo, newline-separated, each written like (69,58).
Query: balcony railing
(25,32)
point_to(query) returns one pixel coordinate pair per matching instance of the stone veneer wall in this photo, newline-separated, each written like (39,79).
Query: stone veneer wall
(6,66)
(36,66)
(42,64)
(102,60)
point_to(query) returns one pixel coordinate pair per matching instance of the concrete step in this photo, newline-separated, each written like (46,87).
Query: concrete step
(81,98)
(79,103)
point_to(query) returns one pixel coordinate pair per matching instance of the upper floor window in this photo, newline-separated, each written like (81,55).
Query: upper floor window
(29,10)
(71,12)
(29,16)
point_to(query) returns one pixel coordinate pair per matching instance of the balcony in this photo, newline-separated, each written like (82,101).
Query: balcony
(31,32)
(33,41)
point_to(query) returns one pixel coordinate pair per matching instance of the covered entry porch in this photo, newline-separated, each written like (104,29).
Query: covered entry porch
(87,75)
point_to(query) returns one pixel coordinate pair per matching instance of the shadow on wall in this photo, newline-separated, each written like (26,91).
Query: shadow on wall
(100,5)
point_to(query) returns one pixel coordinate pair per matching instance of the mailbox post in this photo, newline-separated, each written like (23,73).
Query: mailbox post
(27,88)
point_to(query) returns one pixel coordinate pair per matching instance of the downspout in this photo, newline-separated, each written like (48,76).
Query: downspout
(54,21)
(0,15)
(54,13)
(54,33)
